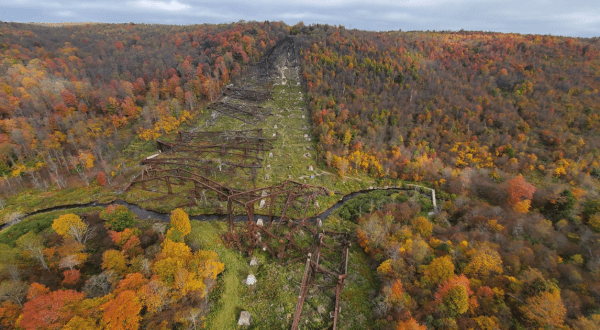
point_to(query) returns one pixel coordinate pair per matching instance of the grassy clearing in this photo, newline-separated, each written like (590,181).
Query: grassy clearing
(226,296)
(32,200)
(38,223)
(273,299)
(293,156)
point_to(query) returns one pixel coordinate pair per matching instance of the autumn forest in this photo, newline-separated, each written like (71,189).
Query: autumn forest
(504,127)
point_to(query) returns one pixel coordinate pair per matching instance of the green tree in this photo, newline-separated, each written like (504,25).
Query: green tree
(118,217)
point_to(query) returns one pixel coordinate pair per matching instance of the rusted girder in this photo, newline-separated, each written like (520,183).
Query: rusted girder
(247,94)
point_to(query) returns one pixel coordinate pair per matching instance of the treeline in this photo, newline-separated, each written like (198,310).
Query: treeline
(407,104)
(71,97)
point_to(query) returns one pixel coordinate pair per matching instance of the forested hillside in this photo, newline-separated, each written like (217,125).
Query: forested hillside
(72,97)
(407,104)
(480,116)
(504,127)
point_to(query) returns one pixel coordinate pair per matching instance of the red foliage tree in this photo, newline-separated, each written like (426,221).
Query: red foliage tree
(101,178)
(518,189)
(50,311)
(71,276)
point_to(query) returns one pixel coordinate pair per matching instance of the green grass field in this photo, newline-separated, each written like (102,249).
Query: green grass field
(272,301)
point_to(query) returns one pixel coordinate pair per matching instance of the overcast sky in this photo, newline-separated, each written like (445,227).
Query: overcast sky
(579,18)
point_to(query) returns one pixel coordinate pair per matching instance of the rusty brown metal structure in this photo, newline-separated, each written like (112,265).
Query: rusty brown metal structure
(246,112)
(288,205)
(234,156)
(247,94)
(320,263)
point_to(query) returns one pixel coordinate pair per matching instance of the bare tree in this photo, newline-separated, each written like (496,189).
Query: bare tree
(81,233)
(33,245)
(100,285)
(9,261)
(14,291)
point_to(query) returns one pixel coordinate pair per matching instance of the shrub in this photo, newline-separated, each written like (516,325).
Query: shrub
(118,217)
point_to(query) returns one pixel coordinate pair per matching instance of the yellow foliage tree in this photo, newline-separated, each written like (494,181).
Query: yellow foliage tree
(484,261)
(207,264)
(186,281)
(594,222)
(545,310)
(176,266)
(70,226)
(86,159)
(422,226)
(456,301)
(439,270)
(114,260)
(487,322)
(385,269)
(523,206)
(154,295)
(180,225)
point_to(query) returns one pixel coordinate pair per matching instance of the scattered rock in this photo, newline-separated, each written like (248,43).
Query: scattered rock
(270,154)
(268,167)
(305,136)
(262,201)
(302,116)
(260,222)
(319,222)
(245,318)
(310,168)
(275,127)
(251,280)
(253,261)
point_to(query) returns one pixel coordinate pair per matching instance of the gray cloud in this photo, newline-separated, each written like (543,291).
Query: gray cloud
(580,18)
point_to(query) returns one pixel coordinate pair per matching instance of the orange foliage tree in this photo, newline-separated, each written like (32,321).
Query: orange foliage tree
(519,189)
(410,324)
(123,312)
(546,309)
(50,310)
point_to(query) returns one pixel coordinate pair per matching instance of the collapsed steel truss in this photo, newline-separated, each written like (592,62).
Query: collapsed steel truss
(247,94)
(248,113)
(276,236)
(236,155)
(284,53)
(320,262)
